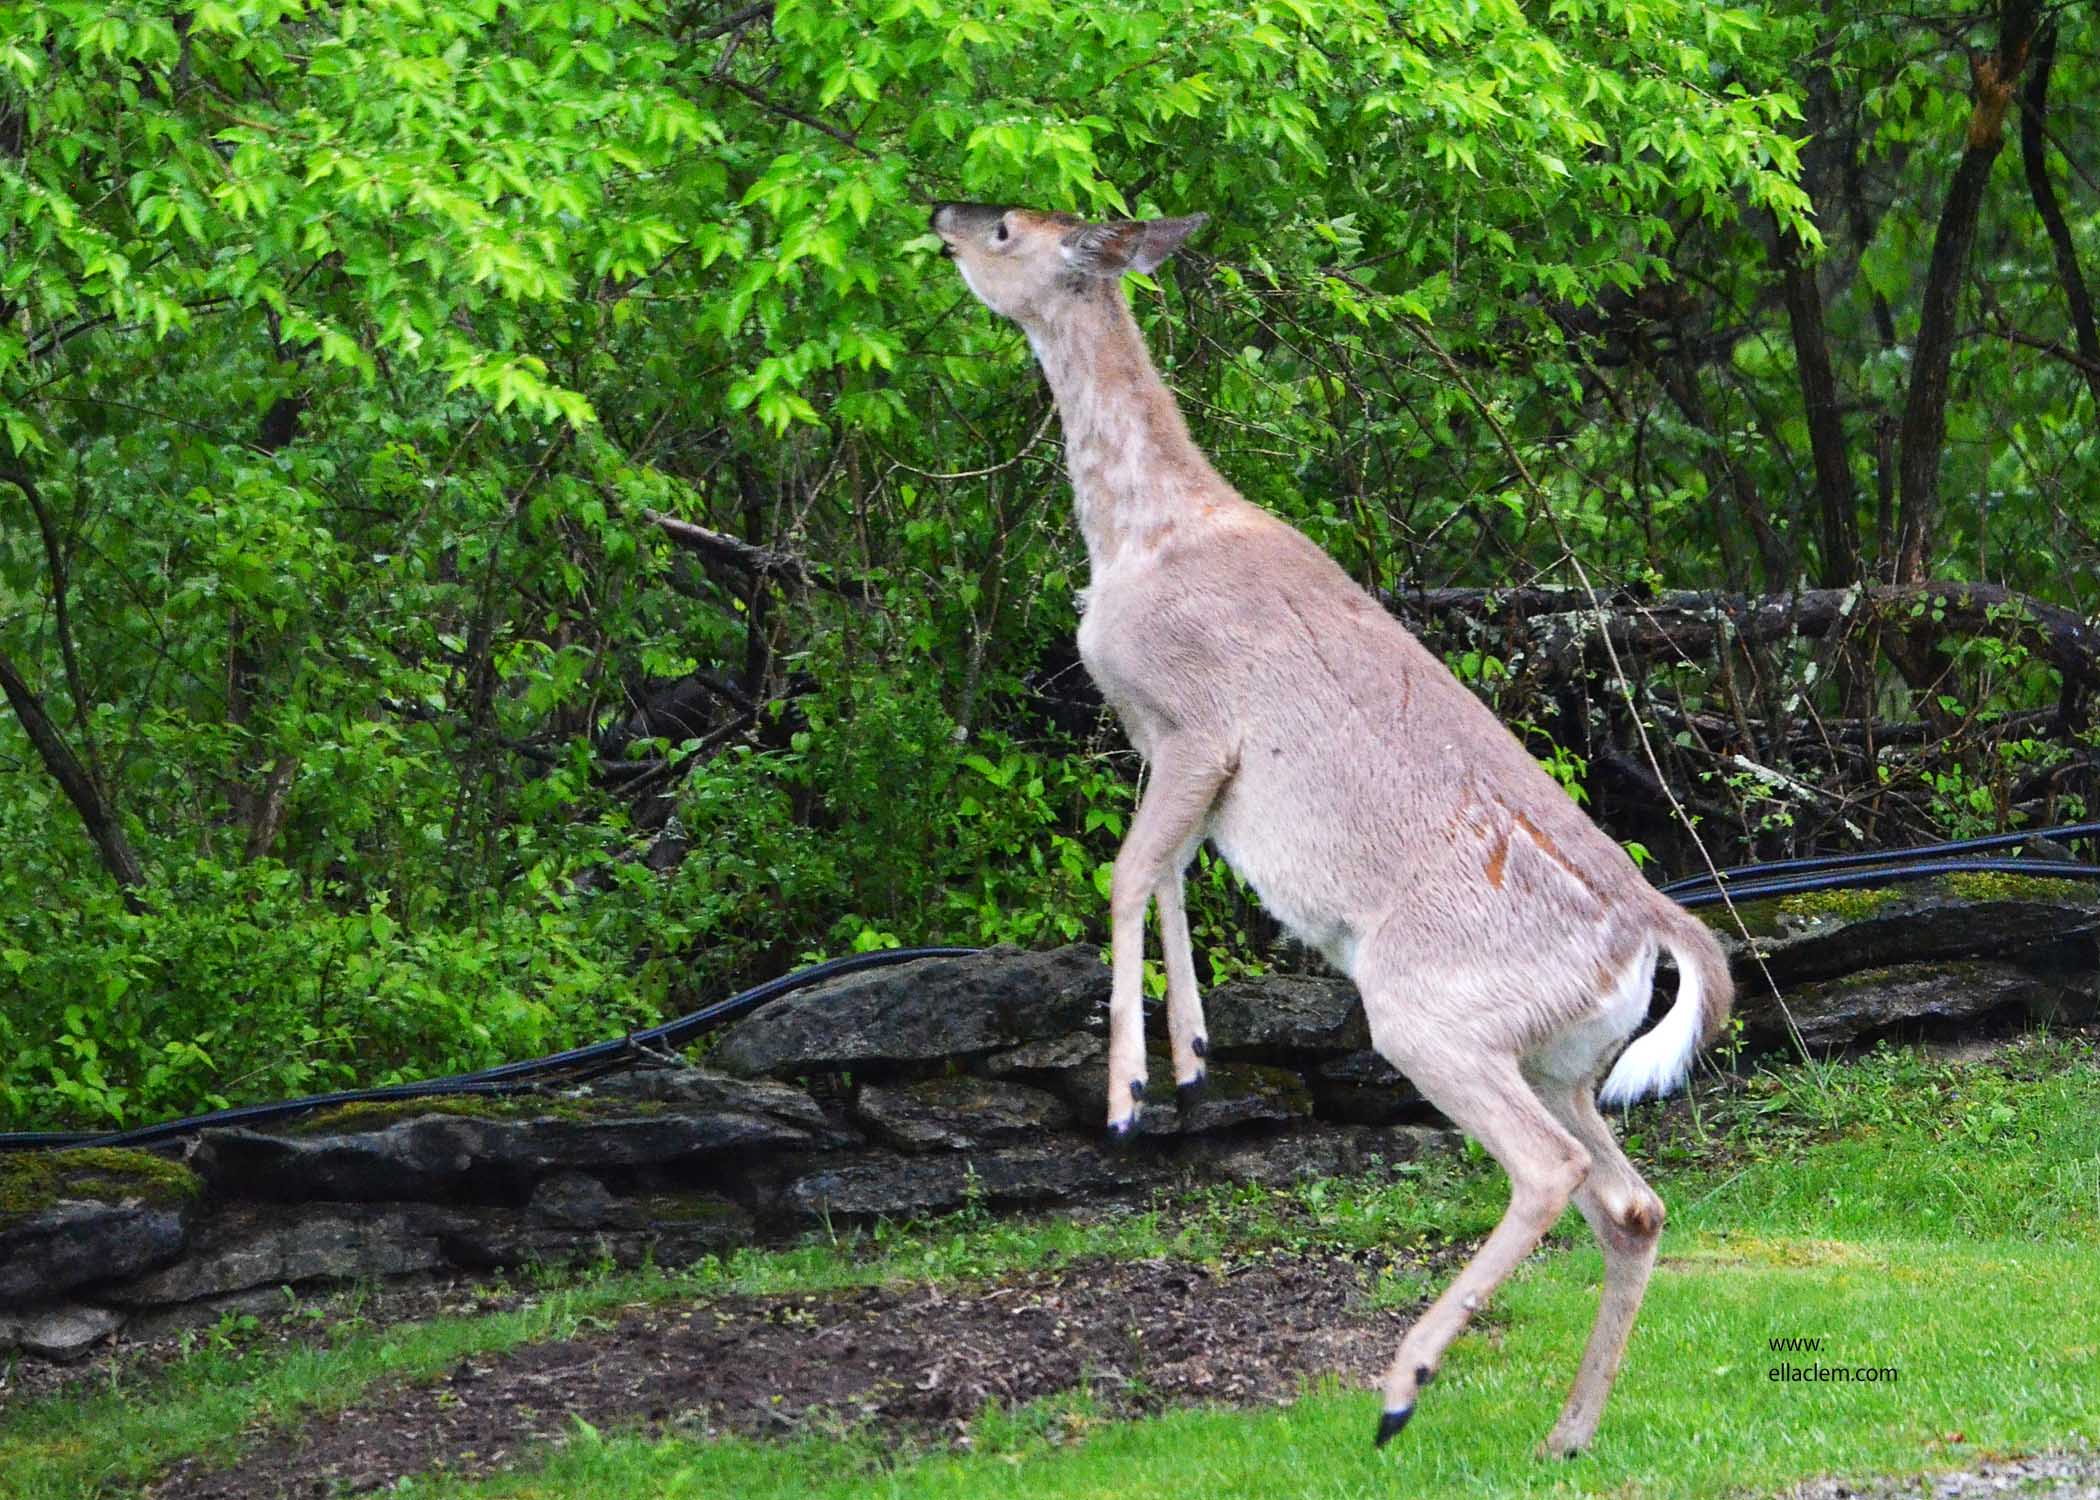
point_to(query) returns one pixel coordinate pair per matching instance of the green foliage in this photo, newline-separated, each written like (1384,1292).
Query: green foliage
(346,353)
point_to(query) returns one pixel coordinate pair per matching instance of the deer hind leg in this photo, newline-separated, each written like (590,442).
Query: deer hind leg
(1487,1096)
(1183,783)
(1627,1219)
(1185,1031)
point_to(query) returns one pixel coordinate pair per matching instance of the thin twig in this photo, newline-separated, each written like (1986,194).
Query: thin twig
(774,106)
(1619,677)
(1049,411)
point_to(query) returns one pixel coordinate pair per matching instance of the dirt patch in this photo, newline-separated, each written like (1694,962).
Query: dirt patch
(2046,1476)
(908,1364)
(254,1324)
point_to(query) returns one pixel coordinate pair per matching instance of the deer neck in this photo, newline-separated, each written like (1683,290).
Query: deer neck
(1135,471)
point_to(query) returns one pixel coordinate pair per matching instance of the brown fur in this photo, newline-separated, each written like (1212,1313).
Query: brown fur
(1370,799)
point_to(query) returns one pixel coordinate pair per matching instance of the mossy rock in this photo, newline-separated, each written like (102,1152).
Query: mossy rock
(1842,905)
(1811,935)
(958,1113)
(1766,917)
(1989,885)
(478,1149)
(378,1114)
(34,1181)
(1237,1094)
(68,1218)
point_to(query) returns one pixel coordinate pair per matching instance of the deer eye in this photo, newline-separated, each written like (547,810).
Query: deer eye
(1000,233)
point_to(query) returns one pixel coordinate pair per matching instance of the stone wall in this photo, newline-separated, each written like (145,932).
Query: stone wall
(901,1092)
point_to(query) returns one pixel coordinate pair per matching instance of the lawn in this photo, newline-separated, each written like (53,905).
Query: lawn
(1932,1218)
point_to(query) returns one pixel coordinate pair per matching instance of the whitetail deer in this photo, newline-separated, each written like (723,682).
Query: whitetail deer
(1505,948)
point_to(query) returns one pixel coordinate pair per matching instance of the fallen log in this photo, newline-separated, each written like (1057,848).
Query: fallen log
(1563,627)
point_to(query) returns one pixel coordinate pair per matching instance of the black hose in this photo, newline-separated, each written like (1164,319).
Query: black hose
(1879,874)
(1884,856)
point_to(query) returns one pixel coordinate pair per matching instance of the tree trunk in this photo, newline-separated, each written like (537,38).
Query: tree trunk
(2034,109)
(1924,430)
(1837,503)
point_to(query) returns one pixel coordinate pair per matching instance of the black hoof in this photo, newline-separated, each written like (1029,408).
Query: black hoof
(1137,1088)
(1423,1376)
(1200,1046)
(1123,1134)
(1390,1424)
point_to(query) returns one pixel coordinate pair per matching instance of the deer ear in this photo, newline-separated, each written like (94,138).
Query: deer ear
(1140,245)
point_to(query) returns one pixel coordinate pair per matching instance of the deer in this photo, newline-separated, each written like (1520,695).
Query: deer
(1504,945)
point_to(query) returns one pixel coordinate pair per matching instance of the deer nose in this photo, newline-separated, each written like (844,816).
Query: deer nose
(952,219)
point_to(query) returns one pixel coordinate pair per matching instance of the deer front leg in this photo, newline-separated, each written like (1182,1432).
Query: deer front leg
(1184,782)
(1185,1032)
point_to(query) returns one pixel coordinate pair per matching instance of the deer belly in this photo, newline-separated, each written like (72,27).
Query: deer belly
(1293,869)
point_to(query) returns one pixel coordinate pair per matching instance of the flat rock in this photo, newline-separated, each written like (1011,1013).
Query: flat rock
(573,1200)
(1322,1150)
(1085,1089)
(1235,1094)
(2055,919)
(75,1242)
(1362,1088)
(1279,1014)
(62,1333)
(665,1229)
(445,1156)
(916,1013)
(2042,1476)
(868,1184)
(1904,998)
(703,1089)
(267,1245)
(957,1113)
(249,1245)
(1052,1055)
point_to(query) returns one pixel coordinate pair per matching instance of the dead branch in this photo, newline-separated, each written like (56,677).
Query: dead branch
(1561,626)
(763,562)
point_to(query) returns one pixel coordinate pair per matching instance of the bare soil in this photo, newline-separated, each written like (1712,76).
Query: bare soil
(2046,1476)
(910,1365)
(253,1324)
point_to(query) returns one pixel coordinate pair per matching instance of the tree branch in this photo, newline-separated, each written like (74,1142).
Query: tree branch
(763,562)
(61,614)
(775,107)
(2090,368)
(65,768)
(735,21)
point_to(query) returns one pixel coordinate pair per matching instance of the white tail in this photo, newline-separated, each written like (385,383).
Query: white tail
(1504,946)
(1659,1061)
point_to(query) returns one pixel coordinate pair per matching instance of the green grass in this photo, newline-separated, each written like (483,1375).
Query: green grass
(1694,1414)
(1935,1217)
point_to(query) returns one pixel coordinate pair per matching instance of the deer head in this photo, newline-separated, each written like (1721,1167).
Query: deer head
(1028,266)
